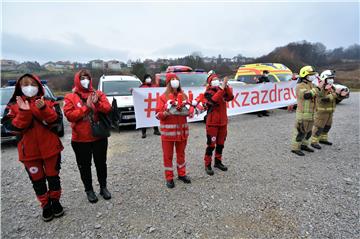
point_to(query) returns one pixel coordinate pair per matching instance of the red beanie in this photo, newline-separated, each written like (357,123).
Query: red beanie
(211,77)
(169,77)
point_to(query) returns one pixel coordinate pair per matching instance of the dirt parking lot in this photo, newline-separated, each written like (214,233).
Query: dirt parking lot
(268,192)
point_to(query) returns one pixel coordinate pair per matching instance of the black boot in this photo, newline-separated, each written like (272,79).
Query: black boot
(156,131)
(298,152)
(170,184)
(325,142)
(47,214)
(143,133)
(209,170)
(57,208)
(185,179)
(315,145)
(218,164)
(91,196)
(307,149)
(104,192)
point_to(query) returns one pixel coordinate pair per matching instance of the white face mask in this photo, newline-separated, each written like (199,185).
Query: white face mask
(148,80)
(266,75)
(85,83)
(175,84)
(30,90)
(311,77)
(215,83)
(330,81)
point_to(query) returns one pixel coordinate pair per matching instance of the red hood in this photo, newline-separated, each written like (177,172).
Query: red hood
(78,87)
(18,91)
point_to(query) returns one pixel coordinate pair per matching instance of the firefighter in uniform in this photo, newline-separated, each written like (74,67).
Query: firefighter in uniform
(306,94)
(172,110)
(216,94)
(325,106)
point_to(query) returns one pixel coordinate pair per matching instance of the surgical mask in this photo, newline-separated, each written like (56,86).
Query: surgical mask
(85,83)
(30,90)
(311,77)
(215,83)
(148,80)
(266,75)
(175,84)
(330,81)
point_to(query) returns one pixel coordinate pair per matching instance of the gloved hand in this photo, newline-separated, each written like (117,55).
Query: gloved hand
(168,104)
(194,103)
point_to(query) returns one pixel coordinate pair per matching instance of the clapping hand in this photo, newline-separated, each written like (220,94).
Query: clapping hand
(40,103)
(24,105)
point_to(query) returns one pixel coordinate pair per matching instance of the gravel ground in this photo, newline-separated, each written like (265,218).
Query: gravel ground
(268,192)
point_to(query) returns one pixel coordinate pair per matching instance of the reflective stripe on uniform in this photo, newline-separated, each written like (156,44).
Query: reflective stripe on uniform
(173,126)
(168,126)
(168,169)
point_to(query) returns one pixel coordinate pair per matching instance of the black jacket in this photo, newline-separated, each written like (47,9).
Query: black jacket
(263,79)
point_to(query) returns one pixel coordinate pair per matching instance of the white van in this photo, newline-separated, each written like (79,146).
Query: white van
(119,87)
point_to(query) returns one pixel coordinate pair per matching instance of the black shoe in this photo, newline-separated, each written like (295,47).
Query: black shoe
(209,170)
(104,192)
(316,146)
(91,196)
(307,149)
(185,179)
(170,184)
(157,132)
(143,136)
(47,214)
(298,152)
(57,208)
(259,115)
(218,164)
(325,142)
(266,114)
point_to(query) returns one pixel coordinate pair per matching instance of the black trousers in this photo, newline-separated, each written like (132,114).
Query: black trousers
(84,151)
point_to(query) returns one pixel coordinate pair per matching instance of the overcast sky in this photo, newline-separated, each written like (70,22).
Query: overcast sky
(85,31)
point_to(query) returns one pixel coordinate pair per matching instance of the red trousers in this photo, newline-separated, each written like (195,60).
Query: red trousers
(42,170)
(216,136)
(168,152)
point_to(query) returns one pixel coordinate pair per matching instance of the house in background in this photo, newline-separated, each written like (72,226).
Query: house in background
(97,64)
(113,65)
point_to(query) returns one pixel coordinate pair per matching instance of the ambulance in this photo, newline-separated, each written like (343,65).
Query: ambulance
(248,74)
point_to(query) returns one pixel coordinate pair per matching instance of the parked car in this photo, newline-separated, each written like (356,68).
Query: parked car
(7,92)
(119,87)
(188,77)
(249,73)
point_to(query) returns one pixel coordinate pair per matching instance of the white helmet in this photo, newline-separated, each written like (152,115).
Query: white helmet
(211,72)
(327,74)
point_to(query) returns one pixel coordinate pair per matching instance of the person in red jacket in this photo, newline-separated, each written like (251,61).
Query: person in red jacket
(216,94)
(172,109)
(79,106)
(32,117)
(148,83)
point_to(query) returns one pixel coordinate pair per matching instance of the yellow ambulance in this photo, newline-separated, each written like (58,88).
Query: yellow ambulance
(249,73)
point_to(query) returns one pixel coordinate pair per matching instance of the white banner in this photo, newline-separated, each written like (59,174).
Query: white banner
(249,98)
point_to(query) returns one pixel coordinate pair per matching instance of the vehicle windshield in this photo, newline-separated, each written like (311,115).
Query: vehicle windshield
(284,77)
(191,80)
(6,94)
(120,88)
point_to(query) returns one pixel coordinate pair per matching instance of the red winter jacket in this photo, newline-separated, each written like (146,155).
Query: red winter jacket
(216,103)
(77,112)
(172,127)
(33,126)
